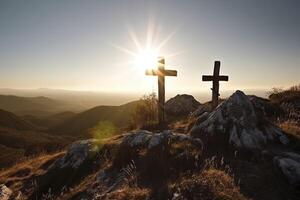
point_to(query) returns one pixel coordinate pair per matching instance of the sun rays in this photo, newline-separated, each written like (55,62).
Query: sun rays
(145,54)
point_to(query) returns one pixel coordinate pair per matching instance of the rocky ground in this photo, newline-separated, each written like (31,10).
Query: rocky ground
(233,152)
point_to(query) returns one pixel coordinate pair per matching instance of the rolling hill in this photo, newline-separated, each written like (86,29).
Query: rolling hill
(19,138)
(46,122)
(10,120)
(120,116)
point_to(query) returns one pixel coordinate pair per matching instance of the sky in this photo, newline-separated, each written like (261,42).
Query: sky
(84,45)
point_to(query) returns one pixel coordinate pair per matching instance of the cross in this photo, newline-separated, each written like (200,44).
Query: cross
(161,72)
(215,78)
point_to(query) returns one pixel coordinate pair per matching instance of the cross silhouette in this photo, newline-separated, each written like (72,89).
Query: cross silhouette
(215,78)
(161,72)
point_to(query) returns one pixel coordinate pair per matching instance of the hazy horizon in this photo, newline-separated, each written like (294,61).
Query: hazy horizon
(96,98)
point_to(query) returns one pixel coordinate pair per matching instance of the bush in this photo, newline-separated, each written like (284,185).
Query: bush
(278,95)
(145,113)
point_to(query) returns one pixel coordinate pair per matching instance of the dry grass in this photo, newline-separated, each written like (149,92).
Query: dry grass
(209,184)
(9,156)
(25,171)
(15,144)
(128,193)
(278,95)
(291,128)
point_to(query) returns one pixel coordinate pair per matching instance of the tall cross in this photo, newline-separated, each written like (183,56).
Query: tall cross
(161,72)
(215,78)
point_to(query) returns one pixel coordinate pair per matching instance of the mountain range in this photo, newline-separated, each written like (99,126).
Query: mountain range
(39,106)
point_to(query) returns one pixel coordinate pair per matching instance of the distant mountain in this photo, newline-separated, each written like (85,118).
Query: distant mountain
(120,116)
(86,99)
(40,106)
(10,120)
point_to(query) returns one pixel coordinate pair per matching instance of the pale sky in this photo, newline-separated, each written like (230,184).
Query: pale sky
(68,44)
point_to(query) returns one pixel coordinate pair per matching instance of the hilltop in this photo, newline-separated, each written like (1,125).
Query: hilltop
(237,151)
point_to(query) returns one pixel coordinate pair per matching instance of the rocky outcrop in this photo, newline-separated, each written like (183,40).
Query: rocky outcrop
(181,105)
(236,122)
(79,161)
(288,164)
(5,192)
(152,155)
(76,155)
(200,110)
(162,152)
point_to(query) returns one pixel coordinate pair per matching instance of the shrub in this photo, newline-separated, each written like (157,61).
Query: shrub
(145,113)
(278,95)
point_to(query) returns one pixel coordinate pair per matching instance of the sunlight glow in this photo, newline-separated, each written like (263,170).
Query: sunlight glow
(146,52)
(146,59)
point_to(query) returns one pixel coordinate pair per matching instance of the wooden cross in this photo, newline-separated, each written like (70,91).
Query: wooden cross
(215,78)
(161,72)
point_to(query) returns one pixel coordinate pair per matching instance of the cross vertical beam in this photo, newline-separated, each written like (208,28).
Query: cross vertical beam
(216,85)
(215,78)
(161,92)
(161,72)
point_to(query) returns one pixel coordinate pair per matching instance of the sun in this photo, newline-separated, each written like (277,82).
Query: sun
(146,59)
(145,55)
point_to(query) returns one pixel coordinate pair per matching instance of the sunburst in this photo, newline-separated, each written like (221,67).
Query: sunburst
(146,56)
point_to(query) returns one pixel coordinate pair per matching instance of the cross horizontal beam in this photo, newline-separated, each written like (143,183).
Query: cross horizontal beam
(157,72)
(212,78)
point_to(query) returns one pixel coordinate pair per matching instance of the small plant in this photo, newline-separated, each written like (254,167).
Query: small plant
(145,113)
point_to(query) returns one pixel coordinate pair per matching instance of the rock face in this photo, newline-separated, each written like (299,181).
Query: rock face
(288,164)
(5,192)
(237,122)
(181,105)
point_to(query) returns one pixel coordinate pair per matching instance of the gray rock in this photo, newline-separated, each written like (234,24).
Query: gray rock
(289,165)
(236,121)
(181,105)
(80,160)
(150,140)
(5,192)
(200,111)
(133,139)
(76,154)
(158,150)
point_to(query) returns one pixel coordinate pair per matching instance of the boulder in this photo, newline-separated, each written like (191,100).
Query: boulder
(181,105)
(80,160)
(237,123)
(288,164)
(158,154)
(76,155)
(5,192)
